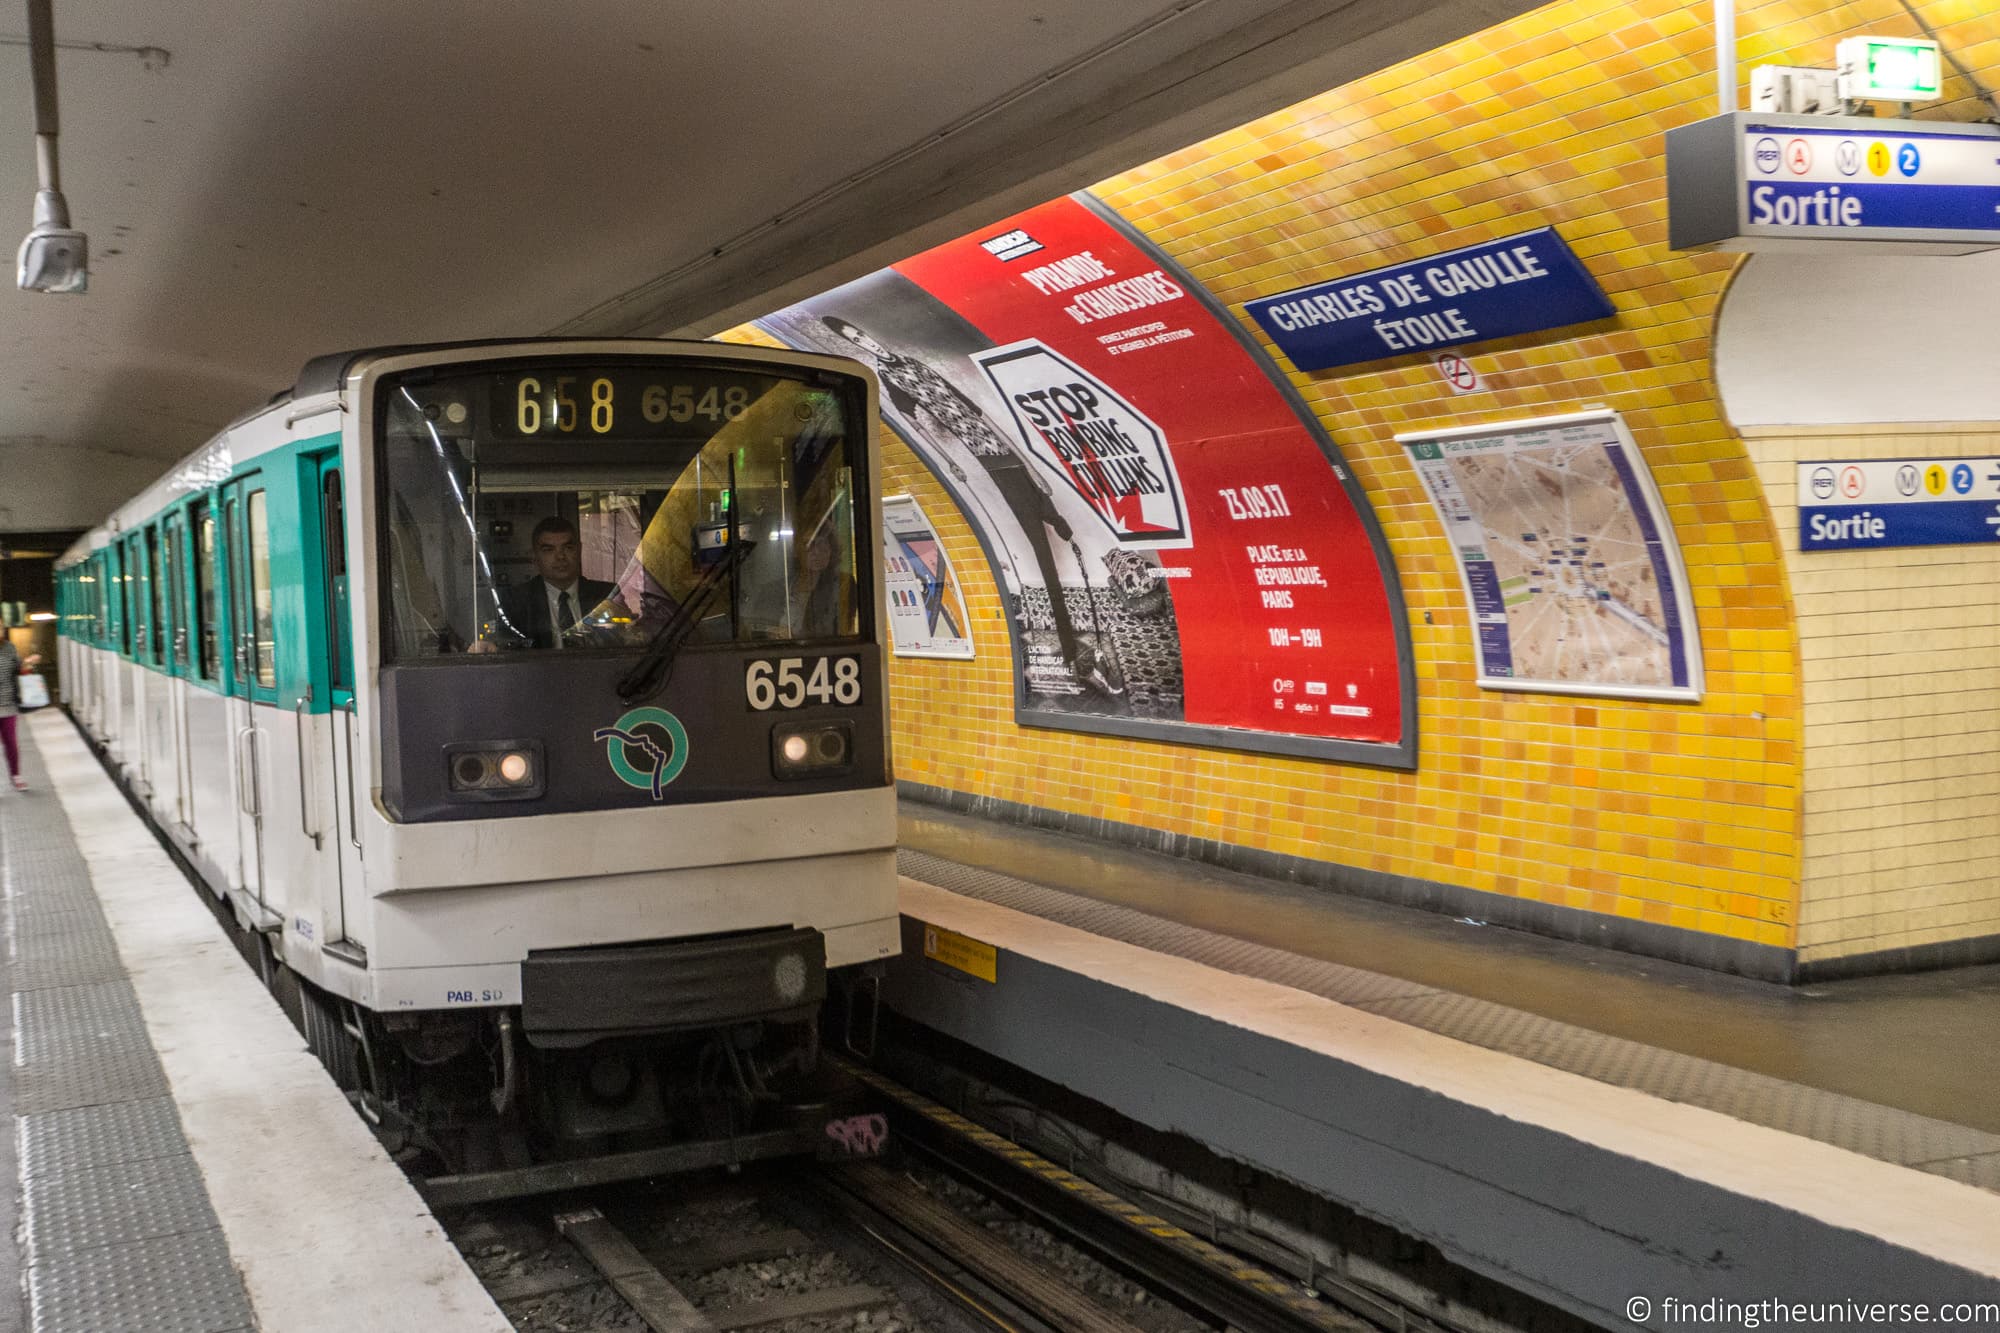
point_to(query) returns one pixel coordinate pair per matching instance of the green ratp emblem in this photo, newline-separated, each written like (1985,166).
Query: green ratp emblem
(649,748)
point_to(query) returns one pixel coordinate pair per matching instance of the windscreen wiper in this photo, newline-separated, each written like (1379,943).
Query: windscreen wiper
(650,672)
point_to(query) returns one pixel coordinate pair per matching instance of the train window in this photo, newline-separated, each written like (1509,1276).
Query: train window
(263,639)
(177,589)
(333,529)
(135,583)
(576,506)
(208,650)
(156,601)
(128,596)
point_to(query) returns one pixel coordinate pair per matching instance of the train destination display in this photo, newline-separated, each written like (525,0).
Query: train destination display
(1180,551)
(1571,571)
(926,610)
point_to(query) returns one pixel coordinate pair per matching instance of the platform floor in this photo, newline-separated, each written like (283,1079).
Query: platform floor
(1898,1068)
(182,1162)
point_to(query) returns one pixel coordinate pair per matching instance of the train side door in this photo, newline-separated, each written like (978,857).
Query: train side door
(139,580)
(347,913)
(250,753)
(180,620)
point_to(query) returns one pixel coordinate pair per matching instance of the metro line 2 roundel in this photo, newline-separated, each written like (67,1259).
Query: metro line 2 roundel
(648,750)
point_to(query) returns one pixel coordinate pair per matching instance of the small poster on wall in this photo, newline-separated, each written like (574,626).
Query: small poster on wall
(1571,571)
(926,611)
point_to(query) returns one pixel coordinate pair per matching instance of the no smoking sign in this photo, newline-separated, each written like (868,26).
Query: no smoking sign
(1459,374)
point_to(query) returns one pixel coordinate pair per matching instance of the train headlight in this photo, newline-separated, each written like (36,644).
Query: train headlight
(494,770)
(812,750)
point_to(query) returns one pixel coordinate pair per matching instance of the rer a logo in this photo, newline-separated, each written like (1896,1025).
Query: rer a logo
(649,749)
(1768,156)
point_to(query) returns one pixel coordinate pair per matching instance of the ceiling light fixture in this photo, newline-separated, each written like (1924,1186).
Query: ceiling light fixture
(55,258)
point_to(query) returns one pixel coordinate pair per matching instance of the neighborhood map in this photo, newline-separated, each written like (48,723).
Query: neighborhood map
(1561,559)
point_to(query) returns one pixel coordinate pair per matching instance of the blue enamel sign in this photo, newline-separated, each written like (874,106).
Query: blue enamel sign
(1849,504)
(1747,181)
(1518,284)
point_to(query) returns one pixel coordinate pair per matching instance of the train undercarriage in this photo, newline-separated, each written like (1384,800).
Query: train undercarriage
(580,1084)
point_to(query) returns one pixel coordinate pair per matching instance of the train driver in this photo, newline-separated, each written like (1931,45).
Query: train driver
(558,598)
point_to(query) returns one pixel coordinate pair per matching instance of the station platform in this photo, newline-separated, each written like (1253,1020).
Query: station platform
(182,1162)
(1592,1128)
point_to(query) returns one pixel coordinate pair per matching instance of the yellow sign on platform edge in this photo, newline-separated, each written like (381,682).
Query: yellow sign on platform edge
(960,952)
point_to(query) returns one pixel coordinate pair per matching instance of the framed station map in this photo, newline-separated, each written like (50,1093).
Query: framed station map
(1572,575)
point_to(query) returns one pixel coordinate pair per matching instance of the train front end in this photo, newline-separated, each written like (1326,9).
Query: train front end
(634,813)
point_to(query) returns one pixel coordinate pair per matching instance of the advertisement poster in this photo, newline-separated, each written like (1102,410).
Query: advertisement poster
(1571,569)
(926,611)
(1182,555)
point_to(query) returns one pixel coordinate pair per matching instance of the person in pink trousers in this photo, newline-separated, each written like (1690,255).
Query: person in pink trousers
(11,670)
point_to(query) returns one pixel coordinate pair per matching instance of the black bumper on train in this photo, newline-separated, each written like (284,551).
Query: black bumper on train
(571,997)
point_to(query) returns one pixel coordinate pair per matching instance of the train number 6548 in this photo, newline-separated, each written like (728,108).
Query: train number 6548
(794,682)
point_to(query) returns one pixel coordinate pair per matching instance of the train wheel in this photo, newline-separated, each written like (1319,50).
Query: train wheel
(327,1038)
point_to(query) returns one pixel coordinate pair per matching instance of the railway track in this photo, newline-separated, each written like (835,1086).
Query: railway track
(873,1247)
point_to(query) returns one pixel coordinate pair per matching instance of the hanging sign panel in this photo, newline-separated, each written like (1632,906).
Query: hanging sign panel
(1182,553)
(1517,284)
(1571,571)
(1757,181)
(926,610)
(1845,505)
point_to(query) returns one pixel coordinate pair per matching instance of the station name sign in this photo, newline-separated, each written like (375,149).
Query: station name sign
(1755,181)
(1517,284)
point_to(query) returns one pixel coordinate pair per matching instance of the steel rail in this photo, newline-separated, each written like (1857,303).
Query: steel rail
(1161,1254)
(995,1264)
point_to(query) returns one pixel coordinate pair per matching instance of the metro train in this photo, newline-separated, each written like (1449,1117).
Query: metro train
(523,705)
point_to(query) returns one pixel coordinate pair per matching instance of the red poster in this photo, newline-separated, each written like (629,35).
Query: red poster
(1177,543)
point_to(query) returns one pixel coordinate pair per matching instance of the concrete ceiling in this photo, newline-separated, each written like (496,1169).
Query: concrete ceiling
(268,181)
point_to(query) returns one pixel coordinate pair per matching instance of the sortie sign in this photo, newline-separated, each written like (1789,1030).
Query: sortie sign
(1517,284)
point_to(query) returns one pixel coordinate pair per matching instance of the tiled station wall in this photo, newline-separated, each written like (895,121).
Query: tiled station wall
(1900,670)
(1674,814)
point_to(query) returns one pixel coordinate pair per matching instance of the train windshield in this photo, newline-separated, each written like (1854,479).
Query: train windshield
(576,507)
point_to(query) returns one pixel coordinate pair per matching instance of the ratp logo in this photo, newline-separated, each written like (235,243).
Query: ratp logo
(649,748)
(1768,155)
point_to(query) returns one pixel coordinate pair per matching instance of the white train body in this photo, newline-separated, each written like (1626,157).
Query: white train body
(293,656)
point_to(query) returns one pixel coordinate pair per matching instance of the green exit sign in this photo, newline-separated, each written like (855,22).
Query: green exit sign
(1889,69)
